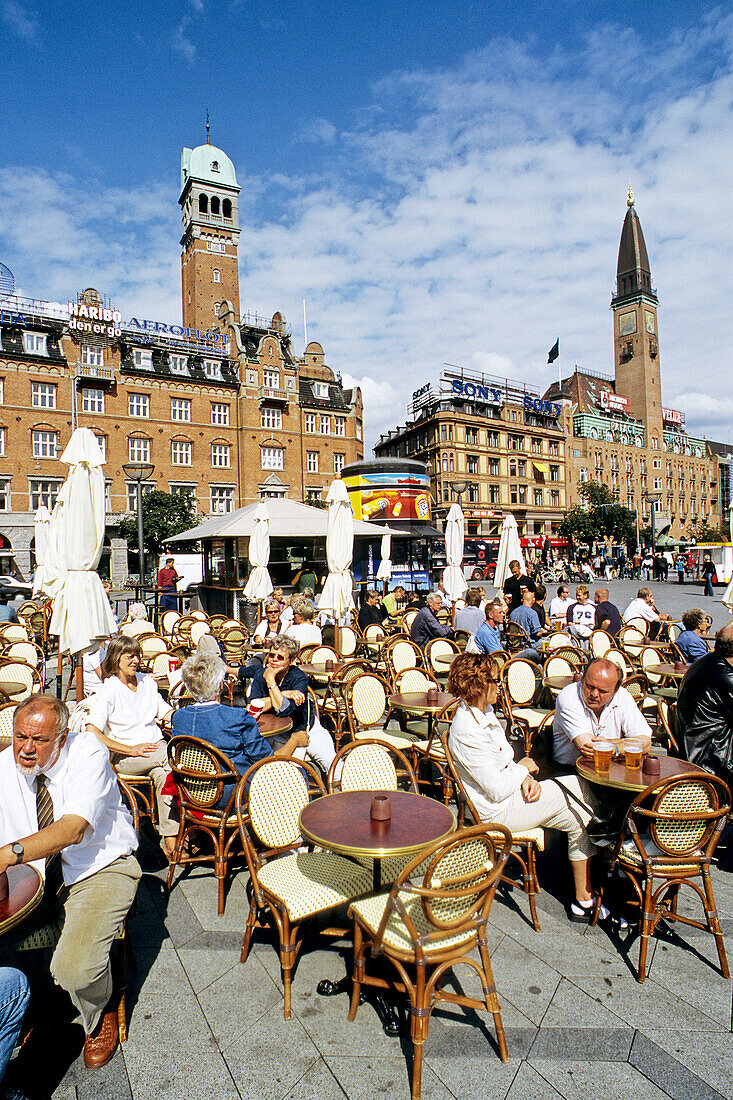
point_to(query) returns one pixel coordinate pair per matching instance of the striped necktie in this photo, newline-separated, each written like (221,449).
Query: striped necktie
(44,811)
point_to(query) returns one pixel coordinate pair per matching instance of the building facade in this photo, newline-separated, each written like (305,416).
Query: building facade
(619,431)
(221,406)
(493,444)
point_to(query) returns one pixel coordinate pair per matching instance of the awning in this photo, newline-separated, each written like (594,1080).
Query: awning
(419,531)
(541,467)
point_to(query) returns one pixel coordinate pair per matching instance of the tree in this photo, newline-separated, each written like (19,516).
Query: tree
(599,516)
(164,515)
(701,531)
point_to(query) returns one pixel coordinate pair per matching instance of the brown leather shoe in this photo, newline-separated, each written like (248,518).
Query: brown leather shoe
(102,1043)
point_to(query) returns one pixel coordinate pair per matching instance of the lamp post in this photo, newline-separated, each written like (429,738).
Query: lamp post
(652,499)
(139,472)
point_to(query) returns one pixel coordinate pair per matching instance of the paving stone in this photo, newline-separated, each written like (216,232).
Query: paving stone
(639,1003)
(271,1057)
(179,918)
(592,1044)
(367,1077)
(158,1073)
(691,971)
(572,1007)
(591,953)
(161,970)
(200,890)
(475,1039)
(589,1080)
(204,965)
(522,978)
(709,1057)
(237,1000)
(317,1084)
(666,1072)
(530,1085)
(173,1023)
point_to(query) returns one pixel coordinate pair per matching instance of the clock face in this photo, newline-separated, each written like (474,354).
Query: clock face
(649,321)
(627,324)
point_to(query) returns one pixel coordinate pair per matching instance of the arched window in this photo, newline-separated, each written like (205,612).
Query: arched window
(203,204)
(217,307)
(226,208)
(217,275)
(214,205)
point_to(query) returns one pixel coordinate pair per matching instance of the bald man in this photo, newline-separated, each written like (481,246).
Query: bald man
(596,709)
(608,616)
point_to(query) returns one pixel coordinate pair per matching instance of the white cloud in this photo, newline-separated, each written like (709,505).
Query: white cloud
(21,19)
(182,45)
(318,131)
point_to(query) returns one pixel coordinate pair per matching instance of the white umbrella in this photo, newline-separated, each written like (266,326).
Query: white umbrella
(41,528)
(454,582)
(54,569)
(509,550)
(259,585)
(337,591)
(385,566)
(82,616)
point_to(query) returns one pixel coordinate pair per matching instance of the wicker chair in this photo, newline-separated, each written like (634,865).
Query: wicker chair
(365,700)
(408,619)
(168,622)
(400,654)
(559,638)
(515,639)
(667,841)
(197,631)
(333,706)
(286,883)
(599,643)
(617,657)
(432,925)
(667,724)
(631,641)
(369,765)
(525,845)
(18,672)
(521,686)
(348,641)
(637,686)
(7,712)
(557,666)
(576,657)
(152,645)
(639,624)
(29,652)
(374,636)
(439,647)
(234,639)
(202,775)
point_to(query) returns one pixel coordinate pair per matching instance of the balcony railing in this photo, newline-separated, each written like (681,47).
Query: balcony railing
(266,393)
(102,373)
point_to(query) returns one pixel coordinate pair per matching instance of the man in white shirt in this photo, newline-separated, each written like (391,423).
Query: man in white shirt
(642,607)
(560,603)
(596,709)
(61,810)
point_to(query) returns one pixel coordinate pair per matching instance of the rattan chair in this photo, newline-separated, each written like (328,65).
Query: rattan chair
(631,641)
(202,775)
(234,639)
(574,656)
(557,666)
(286,883)
(617,657)
(599,643)
(29,652)
(667,841)
(369,765)
(559,638)
(374,637)
(515,639)
(348,641)
(639,624)
(7,712)
(151,645)
(365,700)
(18,672)
(439,647)
(637,686)
(399,654)
(521,687)
(216,622)
(408,619)
(168,621)
(333,706)
(198,630)
(432,925)
(667,724)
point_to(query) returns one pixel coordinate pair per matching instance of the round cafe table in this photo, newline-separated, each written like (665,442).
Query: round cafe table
(417,702)
(557,683)
(319,672)
(633,780)
(666,668)
(25,890)
(270,725)
(445,660)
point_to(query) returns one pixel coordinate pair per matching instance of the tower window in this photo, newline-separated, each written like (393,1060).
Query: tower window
(217,307)
(203,204)
(214,168)
(214,205)
(217,275)
(226,208)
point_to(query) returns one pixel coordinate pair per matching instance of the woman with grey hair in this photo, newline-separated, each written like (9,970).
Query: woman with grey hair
(270,625)
(138,611)
(304,630)
(230,729)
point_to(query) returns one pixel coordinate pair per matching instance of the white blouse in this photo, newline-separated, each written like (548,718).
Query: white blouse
(129,716)
(484,759)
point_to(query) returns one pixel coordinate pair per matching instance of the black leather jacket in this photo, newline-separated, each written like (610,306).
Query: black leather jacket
(705,714)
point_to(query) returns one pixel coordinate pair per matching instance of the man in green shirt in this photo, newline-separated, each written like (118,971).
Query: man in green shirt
(389,603)
(306,578)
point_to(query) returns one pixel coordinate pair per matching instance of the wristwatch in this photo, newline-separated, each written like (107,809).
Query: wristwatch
(18,851)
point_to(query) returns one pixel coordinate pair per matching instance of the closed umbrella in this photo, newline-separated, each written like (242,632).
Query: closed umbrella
(385,566)
(337,591)
(82,616)
(509,550)
(54,569)
(41,528)
(454,582)
(259,584)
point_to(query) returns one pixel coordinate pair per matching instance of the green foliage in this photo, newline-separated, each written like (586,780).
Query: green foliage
(598,517)
(701,531)
(164,515)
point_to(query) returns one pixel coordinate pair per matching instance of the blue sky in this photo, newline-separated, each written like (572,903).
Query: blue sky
(442,182)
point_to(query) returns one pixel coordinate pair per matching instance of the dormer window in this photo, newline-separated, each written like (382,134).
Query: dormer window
(320,389)
(215,166)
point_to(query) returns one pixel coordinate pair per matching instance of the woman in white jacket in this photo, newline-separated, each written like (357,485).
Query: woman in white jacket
(504,790)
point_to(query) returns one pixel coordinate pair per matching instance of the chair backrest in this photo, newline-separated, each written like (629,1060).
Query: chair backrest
(683,815)
(21,673)
(366,699)
(413,680)
(460,637)
(152,645)
(557,638)
(638,623)
(168,621)
(520,678)
(278,793)
(515,639)
(14,632)
(402,655)
(667,720)
(572,655)
(649,656)
(305,653)
(631,641)
(25,651)
(374,633)
(216,622)
(200,771)
(673,631)
(347,641)
(558,666)
(637,687)
(600,642)
(7,711)
(368,765)
(199,615)
(439,647)
(135,627)
(321,654)
(160,664)
(618,659)
(197,631)
(408,619)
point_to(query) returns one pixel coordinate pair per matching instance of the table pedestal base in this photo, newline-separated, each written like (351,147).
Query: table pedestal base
(385,1009)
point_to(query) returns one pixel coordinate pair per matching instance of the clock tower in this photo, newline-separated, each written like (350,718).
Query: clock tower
(209,205)
(635,338)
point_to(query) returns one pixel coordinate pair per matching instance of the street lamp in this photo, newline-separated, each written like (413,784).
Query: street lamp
(459,488)
(652,499)
(139,472)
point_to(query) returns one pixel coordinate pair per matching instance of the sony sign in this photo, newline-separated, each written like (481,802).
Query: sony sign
(476,392)
(537,405)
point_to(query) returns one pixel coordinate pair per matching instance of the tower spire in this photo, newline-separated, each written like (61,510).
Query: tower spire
(208,137)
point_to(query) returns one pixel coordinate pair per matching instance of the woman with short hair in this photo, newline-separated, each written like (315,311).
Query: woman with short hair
(270,625)
(304,630)
(124,714)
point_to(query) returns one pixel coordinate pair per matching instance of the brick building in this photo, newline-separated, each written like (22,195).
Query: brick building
(221,406)
(620,433)
(492,442)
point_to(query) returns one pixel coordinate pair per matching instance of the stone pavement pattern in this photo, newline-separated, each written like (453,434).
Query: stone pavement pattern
(578,1024)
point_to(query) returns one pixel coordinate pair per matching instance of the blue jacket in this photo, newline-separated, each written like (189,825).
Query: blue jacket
(691,645)
(230,729)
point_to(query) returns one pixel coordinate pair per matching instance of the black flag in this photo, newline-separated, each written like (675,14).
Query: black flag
(554,351)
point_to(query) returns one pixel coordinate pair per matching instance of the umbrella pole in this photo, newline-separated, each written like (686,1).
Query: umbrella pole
(79,678)
(59,672)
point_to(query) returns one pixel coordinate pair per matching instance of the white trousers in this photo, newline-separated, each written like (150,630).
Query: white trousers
(553,810)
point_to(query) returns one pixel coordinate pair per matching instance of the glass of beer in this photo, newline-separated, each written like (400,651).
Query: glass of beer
(633,750)
(602,755)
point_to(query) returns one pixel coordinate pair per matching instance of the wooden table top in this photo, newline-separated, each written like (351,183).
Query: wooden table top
(25,890)
(270,725)
(666,668)
(13,687)
(418,701)
(342,823)
(557,682)
(633,779)
(445,659)
(319,671)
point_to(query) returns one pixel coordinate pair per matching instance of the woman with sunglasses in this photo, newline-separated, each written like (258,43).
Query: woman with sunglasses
(504,790)
(270,625)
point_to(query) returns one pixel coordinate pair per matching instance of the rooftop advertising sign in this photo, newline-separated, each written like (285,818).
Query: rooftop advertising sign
(389,495)
(614,402)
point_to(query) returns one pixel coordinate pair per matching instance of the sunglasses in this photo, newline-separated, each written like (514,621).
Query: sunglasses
(277,657)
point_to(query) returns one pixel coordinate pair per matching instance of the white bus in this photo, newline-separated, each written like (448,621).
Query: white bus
(721,554)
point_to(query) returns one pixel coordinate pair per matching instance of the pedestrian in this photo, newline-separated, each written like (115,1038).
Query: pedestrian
(680,568)
(707,572)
